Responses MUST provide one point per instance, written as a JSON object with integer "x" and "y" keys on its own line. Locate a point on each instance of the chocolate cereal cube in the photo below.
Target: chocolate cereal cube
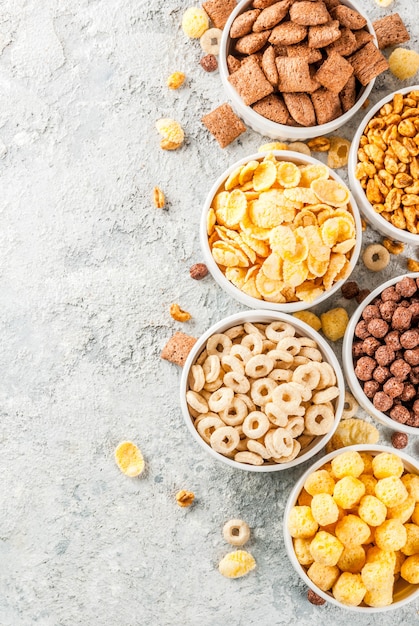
{"x": 271, "y": 16}
{"x": 273, "y": 108}
{"x": 250, "y": 82}
{"x": 326, "y": 105}
{"x": 224, "y": 124}
{"x": 177, "y": 348}
{"x": 300, "y": 108}
{"x": 348, "y": 94}
{"x": 324, "y": 35}
{"x": 287, "y": 34}
{"x": 219, "y": 11}
{"x": 334, "y": 73}
{"x": 346, "y": 44}
{"x": 390, "y": 30}
{"x": 303, "y": 51}
{"x": 243, "y": 24}
{"x": 362, "y": 37}
{"x": 252, "y": 43}
{"x": 309, "y": 13}
{"x": 348, "y": 17}
{"x": 294, "y": 75}
{"x": 368, "y": 63}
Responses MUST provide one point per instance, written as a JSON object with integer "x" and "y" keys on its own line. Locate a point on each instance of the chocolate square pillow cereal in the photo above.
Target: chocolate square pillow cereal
{"x": 326, "y": 105}
{"x": 368, "y": 63}
{"x": 224, "y": 124}
{"x": 390, "y": 31}
{"x": 219, "y": 11}
{"x": 273, "y": 108}
{"x": 177, "y": 348}
{"x": 294, "y": 75}
{"x": 321, "y": 36}
{"x": 250, "y": 82}
{"x": 334, "y": 73}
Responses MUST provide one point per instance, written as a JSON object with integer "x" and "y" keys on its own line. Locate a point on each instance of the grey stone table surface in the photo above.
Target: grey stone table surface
{"x": 88, "y": 269}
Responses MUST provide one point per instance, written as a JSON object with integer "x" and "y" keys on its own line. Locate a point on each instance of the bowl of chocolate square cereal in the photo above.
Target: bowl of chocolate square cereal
{"x": 296, "y": 70}
{"x": 262, "y": 391}
{"x": 381, "y": 354}
{"x": 383, "y": 166}
{"x": 351, "y": 529}
{"x": 280, "y": 231}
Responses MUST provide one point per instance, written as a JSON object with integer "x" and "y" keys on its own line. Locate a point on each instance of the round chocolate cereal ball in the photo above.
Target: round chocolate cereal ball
{"x": 384, "y": 355}
{"x": 390, "y": 293}
{"x": 387, "y": 309}
{"x": 314, "y": 598}
{"x": 393, "y": 387}
{"x": 410, "y": 339}
{"x": 371, "y": 387}
{"x": 381, "y": 373}
{"x": 412, "y": 356}
{"x": 414, "y": 309}
{"x": 365, "y": 367}
{"x": 382, "y": 401}
{"x": 414, "y": 375}
{"x": 399, "y": 440}
{"x": 370, "y": 345}
{"x": 400, "y": 413}
{"x": 377, "y": 328}
{"x": 400, "y": 369}
{"x": 406, "y": 287}
{"x": 370, "y": 312}
{"x": 393, "y": 340}
{"x": 357, "y": 349}
{"x": 402, "y": 318}
{"x": 361, "y": 330}
{"x": 413, "y": 419}
{"x": 408, "y": 393}
{"x": 350, "y": 290}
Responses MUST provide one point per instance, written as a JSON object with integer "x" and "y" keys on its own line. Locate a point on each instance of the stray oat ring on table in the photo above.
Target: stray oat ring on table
{"x": 282, "y": 232}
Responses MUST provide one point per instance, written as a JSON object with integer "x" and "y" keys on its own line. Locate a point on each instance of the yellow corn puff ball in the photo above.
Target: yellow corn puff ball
{"x": 352, "y": 530}
{"x": 195, "y": 22}
{"x": 325, "y": 548}
{"x": 349, "y": 589}
{"x": 391, "y": 491}
{"x": 236, "y": 564}
{"x": 410, "y": 569}
{"x": 379, "y": 597}
{"x": 324, "y": 509}
{"x": 352, "y": 559}
{"x": 387, "y": 464}
{"x": 324, "y": 576}
{"x": 372, "y": 510}
{"x": 304, "y": 499}
{"x": 377, "y": 575}
{"x": 367, "y": 458}
{"x": 348, "y": 464}
{"x": 176, "y": 80}
{"x": 334, "y": 323}
{"x": 129, "y": 459}
{"x": 391, "y": 535}
{"x": 301, "y": 522}
{"x": 376, "y": 555}
{"x": 412, "y": 542}
{"x": 400, "y": 558}
{"x": 403, "y": 512}
{"x": 415, "y": 514}
{"x": 319, "y": 482}
{"x": 302, "y": 551}
{"x": 309, "y": 318}
{"x": 369, "y": 482}
{"x": 348, "y": 492}
{"x": 403, "y": 63}
{"x": 411, "y": 482}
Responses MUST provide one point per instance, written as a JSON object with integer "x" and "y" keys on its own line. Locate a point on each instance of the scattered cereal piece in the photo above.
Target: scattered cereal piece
{"x": 319, "y": 144}
{"x": 172, "y": 133}
{"x": 210, "y": 41}
{"x": 198, "y": 271}
{"x": 219, "y": 11}
{"x": 177, "y": 348}
{"x": 363, "y": 293}
{"x": 350, "y": 407}
{"x": 412, "y": 265}
{"x": 350, "y": 290}
{"x": 314, "y": 598}
{"x": 158, "y": 198}
{"x": 178, "y": 314}
{"x": 399, "y": 440}
{"x": 376, "y": 257}
{"x": 236, "y": 564}
{"x": 334, "y": 323}
{"x": 309, "y": 318}
{"x": 383, "y": 4}
{"x": 129, "y": 459}
{"x": 209, "y": 63}
{"x": 403, "y": 63}
{"x": 338, "y": 152}
{"x": 351, "y": 432}
{"x": 224, "y": 124}
{"x": 368, "y": 62}
{"x": 236, "y": 532}
{"x": 185, "y": 498}
{"x": 195, "y": 22}
{"x": 363, "y": 225}
{"x": 176, "y": 80}
{"x": 394, "y": 247}
{"x": 299, "y": 146}
{"x": 390, "y": 30}
{"x": 276, "y": 145}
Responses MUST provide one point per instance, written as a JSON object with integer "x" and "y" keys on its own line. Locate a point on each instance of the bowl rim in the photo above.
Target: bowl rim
{"x": 348, "y": 367}
{"x": 275, "y": 127}
{"x": 235, "y": 292}
{"x": 263, "y": 316}
{"x": 292, "y": 499}
{"x": 397, "y": 234}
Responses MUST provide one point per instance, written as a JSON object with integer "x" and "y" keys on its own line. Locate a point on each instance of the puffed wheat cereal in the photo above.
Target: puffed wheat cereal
{"x": 129, "y": 459}
{"x": 236, "y": 564}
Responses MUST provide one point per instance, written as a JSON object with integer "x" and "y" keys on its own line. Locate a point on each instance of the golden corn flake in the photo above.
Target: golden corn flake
{"x": 271, "y": 209}
{"x": 272, "y": 266}
{"x": 294, "y": 273}
{"x": 309, "y": 318}
{"x": 403, "y": 63}
{"x": 247, "y": 171}
{"x": 234, "y": 179}
{"x": 129, "y": 459}
{"x": 249, "y": 287}
{"x": 220, "y": 200}
{"x": 282, "y": 240}
{"x": 236, "y": 275}
{"x": 301, "y": 194}
{"x": 264, "y": 176}
{"x": 251, "y": 229}
{"x": 228, "y": 255}
{"x": 260, "y": 247}
{"x": 330, "y": 192}
{"x": 288, "y": 174}
{"x": 269, "y": 289}
{"x": 313, "y": 172}
{"x": 171, "y": 131}
{"x": 308, "y": 291}
{"x": 336, "y": 263}
{"x": 334, "y": 323}
{"x": 275, "y": 145}
{"x": 236, "y": 564}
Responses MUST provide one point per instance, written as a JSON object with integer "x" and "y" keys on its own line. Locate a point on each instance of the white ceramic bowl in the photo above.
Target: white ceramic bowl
{"x": 267, "y": 127}
{"x": 217, "y": 274}
{"x": 348, "y": 366}
{"x": 375, "y": 220}
{"x": 403, "y": 591}
{"x": 302, "y": 329}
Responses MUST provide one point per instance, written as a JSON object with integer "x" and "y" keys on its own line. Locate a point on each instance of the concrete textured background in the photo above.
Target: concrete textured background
{"x": 88, "y": 269}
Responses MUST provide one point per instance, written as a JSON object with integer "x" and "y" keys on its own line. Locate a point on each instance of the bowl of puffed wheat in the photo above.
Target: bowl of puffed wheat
{"x": 351, "y": 529}
{"x": 383, "y": 166}
{"x": 262, "y": 391}
{"x": 297, "y": 70}
{"x": 280, "y": 231}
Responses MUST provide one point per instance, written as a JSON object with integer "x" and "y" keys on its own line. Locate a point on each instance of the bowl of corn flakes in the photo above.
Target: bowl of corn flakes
{"x": 262, "y": 391}
{"x": 275, "y": 71}
{"x": 383, "y": 166}
{"x": 380, "y": 354}
{"x": 351, "y": 528}
{"x": 280, "y": 231}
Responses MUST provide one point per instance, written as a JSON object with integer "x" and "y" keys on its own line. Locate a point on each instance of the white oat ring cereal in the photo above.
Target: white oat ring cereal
{"x": 236, "y": 532}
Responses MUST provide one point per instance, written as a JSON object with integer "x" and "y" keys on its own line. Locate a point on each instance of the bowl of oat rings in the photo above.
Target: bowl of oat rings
{"x": 297, "y": 70}
{"x": 383, "y": 166}
{"x": 262, "y": 391}
{"x": 381, "y": 354}
{"x": 280, "y": 231}
{"x": 351, "y": 528}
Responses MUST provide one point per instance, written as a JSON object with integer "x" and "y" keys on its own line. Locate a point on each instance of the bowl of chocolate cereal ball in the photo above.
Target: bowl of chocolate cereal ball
{"x": 297, "y": 70}
{"x": 262, "y": 391}
{"x": 351, "y": 528}
{"x": 280, "y": 231}
{"x": 383, "y": 166}
{"x": 381, "y": 354}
